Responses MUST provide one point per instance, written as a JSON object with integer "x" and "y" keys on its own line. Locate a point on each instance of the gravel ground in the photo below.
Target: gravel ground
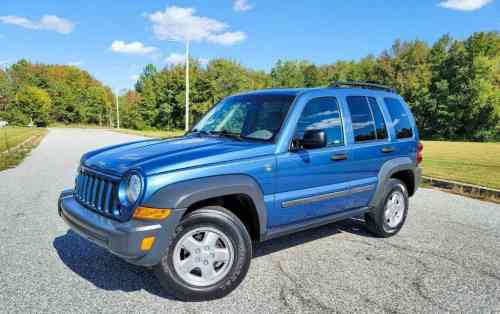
{"x": 446, "y": 258}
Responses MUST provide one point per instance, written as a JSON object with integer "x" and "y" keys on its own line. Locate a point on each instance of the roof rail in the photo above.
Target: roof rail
{"x": 362, "y": 84}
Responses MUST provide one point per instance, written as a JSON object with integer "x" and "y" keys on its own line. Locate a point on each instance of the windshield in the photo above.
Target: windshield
{"x": 257, "y": 117}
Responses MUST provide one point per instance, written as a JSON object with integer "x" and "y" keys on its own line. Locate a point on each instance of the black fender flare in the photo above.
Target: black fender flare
{"x": 386, "y": 171}
{"x": 185, "y": 193}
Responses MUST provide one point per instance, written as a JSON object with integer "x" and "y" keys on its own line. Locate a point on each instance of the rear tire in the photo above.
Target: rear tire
{"x": 209, "y": 256}
{"x": 389, "y": 217}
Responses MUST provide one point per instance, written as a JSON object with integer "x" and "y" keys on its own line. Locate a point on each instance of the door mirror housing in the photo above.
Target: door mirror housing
{"x": 313, "y": 139}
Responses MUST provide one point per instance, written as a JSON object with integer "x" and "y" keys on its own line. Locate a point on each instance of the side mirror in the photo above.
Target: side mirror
{"x": 313, "y": 139}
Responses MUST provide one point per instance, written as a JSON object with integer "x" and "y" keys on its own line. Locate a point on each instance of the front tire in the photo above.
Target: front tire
{"x": 389, "y": 217}
{"x": 209, "y": 256}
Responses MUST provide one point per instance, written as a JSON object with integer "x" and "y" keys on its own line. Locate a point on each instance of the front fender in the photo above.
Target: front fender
{"x": 184, "y": 194}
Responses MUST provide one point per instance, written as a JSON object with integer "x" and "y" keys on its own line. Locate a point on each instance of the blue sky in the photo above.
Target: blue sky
{"x": 113, "y": 40}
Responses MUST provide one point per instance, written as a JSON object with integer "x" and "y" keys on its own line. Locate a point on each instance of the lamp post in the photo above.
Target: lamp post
{"x": 186, "y": 123}
{"x": 187, "y": 87}
{"x": 117, "y": 110}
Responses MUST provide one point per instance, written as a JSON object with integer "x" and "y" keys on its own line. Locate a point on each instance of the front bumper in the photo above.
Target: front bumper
{"x": 120, "y": 238}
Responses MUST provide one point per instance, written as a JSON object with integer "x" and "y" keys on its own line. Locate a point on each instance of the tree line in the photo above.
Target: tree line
{"x": 453, "y": 87}
{"x": 40, "y": 94}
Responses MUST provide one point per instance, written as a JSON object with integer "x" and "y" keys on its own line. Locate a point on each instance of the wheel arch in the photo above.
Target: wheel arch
{"x": 192, "y": 194}
{"x": 395, "y": 168}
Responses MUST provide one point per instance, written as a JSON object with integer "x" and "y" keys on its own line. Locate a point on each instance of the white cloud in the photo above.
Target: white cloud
{"x": 176, "y": 23}
{"x": 176, "y": 59}
{"x": 133, "y": 48}
{"x": 227, "y": 39}
{"x": 76, "y": 63}
{"x": 47, "y": 22}
{"x": 464, "y": 5}
{"x": 242, "y": 5}
{"x": 134, "y": 77}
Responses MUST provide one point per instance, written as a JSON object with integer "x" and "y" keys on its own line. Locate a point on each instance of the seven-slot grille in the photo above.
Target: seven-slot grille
{"x": 97, "y": 192}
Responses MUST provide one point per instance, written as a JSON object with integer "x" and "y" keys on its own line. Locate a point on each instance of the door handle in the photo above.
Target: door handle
{"x": 387, "y": 150}
{"x": 339, "y": 157}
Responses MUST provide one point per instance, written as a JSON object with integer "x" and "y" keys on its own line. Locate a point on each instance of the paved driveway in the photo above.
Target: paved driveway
{"x": 446, "y": 259}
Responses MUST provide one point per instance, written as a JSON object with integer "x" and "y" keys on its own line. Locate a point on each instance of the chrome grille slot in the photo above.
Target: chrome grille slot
{"x": 96, "y": 192}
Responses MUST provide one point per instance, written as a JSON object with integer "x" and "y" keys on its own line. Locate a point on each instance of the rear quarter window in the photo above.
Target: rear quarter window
{"x": 399, "y": 117}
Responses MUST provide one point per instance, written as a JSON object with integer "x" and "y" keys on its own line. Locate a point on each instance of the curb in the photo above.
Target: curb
{"x": 475, "y": 191}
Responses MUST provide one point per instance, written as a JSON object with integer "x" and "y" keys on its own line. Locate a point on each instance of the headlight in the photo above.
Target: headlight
{"x": 134, "y": 188}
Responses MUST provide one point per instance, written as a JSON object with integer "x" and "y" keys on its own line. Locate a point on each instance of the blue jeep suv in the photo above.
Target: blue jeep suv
{"x": 258, "y": 165}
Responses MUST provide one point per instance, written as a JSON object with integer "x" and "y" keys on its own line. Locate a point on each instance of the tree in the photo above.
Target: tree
{"x": 289, "y": 73}
{"x": 129, "y": 111}
{"x": 148, "y": 73}
{"x": 34, "y": 103}
{"x": 6, "y": 91}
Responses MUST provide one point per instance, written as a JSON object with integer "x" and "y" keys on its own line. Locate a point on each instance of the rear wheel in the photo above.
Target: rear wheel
{"x": 390, "y": 216}
{"x": 209, "y": 256}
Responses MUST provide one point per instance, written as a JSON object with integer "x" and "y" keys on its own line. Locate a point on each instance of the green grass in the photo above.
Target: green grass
{"x": 152, "y": 133}
{"x": 11, "y": 137}
{"x": 473, "y": 163}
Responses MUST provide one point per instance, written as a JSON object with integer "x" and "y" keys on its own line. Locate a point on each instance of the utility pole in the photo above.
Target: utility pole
{"x": 187, "y": 85}
{"x": 117, "y": 111}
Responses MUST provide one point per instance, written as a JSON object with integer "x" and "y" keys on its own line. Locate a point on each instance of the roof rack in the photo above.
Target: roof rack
{"x": 362, "y": 84}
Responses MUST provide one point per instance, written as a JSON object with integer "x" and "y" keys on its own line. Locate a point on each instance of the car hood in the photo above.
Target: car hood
{"x": 157, "y": 156}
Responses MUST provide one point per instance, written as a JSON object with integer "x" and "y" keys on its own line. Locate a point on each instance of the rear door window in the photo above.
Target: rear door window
{"x": 362, "y": 120}
{"x": 399, "y": 117}
{"x": 380, "y": 127}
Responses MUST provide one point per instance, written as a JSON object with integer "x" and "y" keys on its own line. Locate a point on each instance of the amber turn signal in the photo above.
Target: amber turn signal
{"x": 148, "y": 213}
{"x": 147, "y": 243}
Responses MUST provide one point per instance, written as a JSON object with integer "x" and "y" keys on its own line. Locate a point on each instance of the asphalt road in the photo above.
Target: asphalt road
{"x": 446, "y": 259}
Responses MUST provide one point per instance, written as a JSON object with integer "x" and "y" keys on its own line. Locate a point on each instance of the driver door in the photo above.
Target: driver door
{"x": 314, "y": 183}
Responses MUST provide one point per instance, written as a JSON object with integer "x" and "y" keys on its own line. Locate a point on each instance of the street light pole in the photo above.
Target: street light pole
{"x": 187, "y": 86}
{"x": 117, "y": 111}
{"x": 186, "y": 123}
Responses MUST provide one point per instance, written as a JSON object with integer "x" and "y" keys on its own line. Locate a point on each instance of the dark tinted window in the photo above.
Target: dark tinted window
{"x": 322, "y": 114}
{"x": 400, "y": 119}
{"x": 362, "y": 120}
{"x": 379, "y": 119}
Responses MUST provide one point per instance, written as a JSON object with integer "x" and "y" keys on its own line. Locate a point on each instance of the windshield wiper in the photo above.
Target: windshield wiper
{"x": 228, "y": 134}
{"x": 202, "y": 132}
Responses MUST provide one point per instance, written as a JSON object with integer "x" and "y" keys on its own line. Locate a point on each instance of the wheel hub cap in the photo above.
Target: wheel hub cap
{"x": 394, "y": 209}
{"x": 203, "y": 256}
